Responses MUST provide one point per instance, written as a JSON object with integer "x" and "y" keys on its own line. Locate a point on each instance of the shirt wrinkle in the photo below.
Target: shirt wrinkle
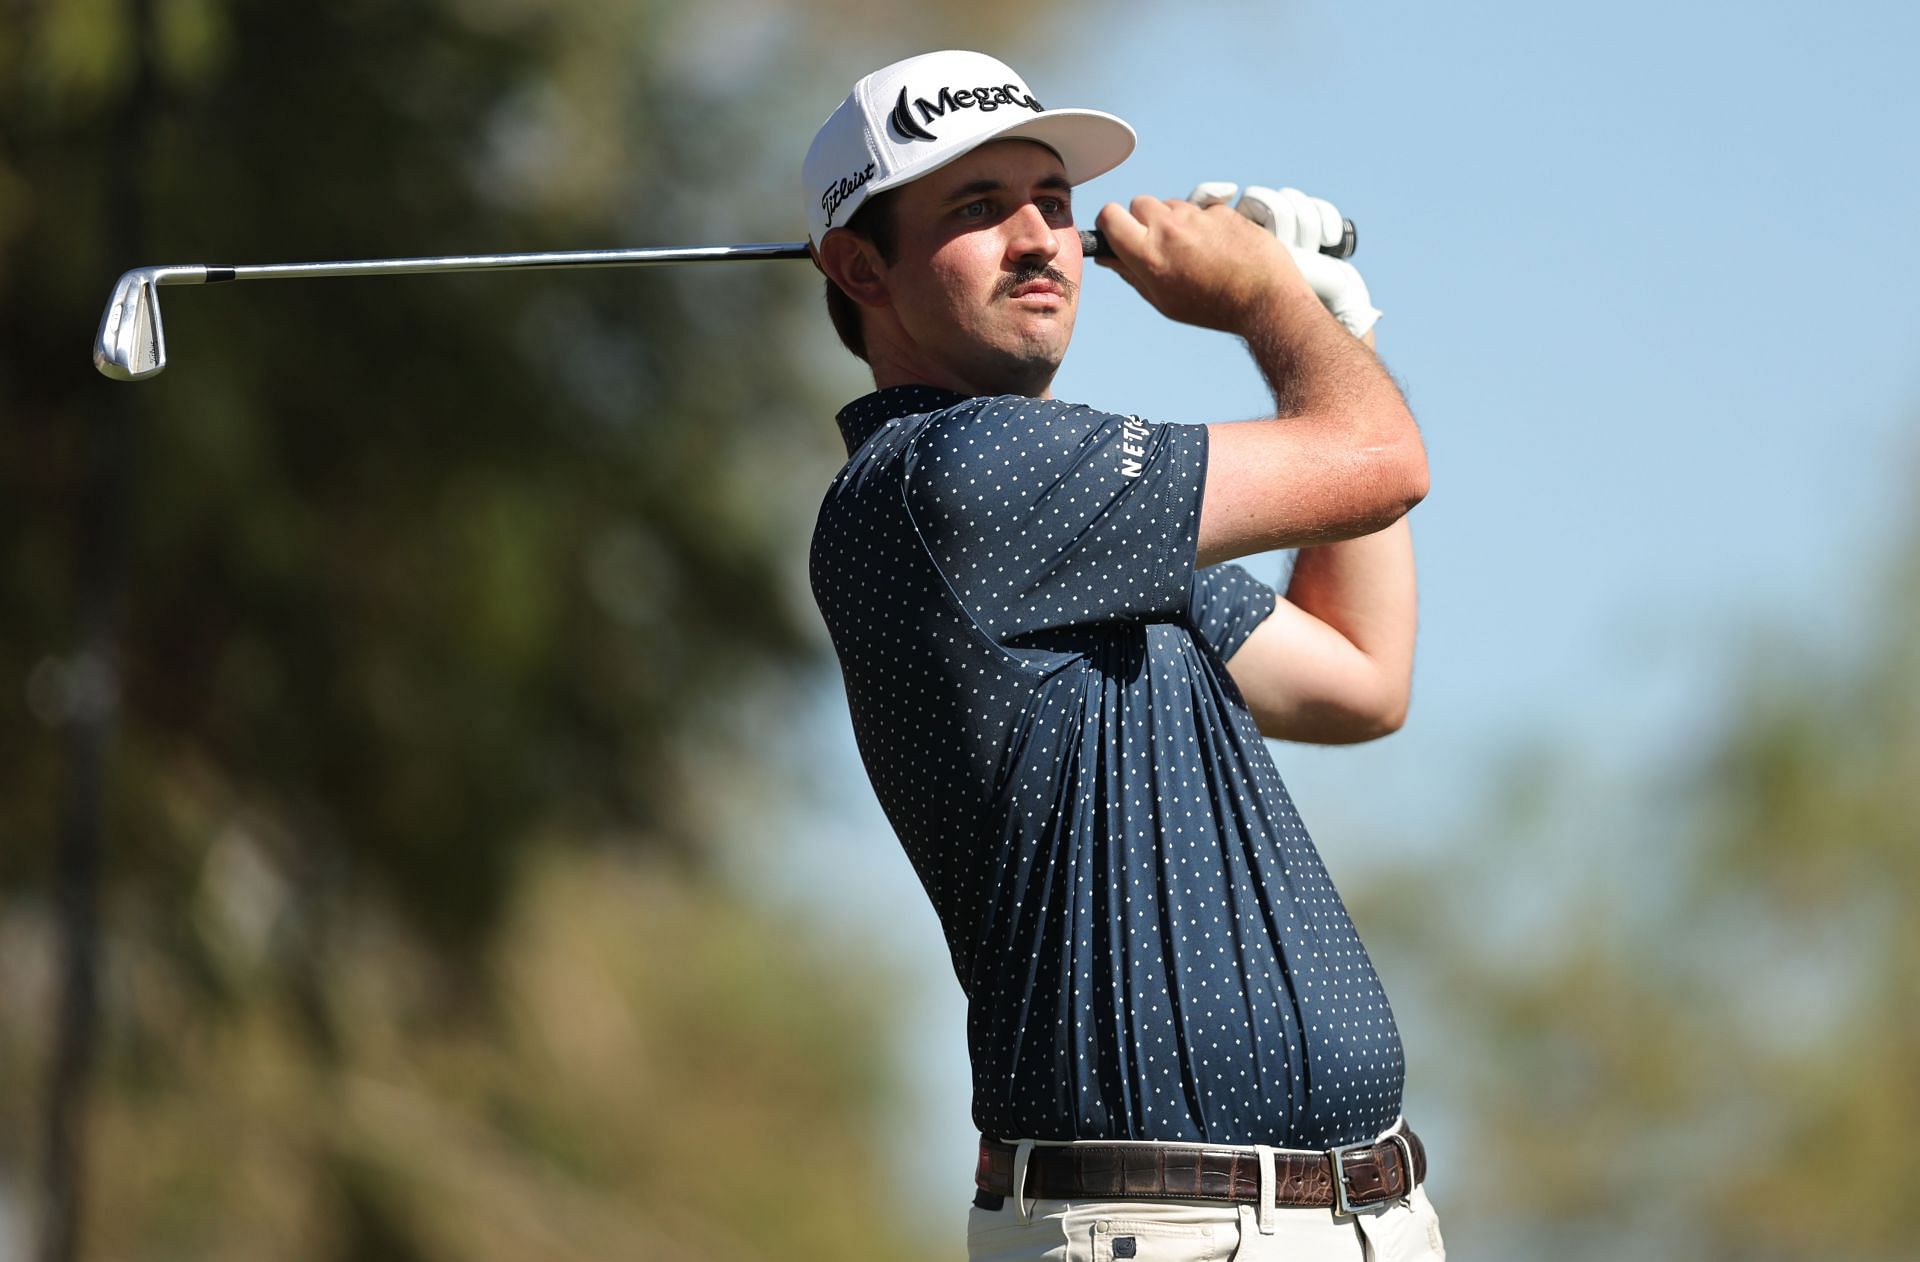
{"x": 1148, "y": 941}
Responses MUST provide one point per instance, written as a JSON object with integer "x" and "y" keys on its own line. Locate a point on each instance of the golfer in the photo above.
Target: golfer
{"x": 1180, "y": 1048}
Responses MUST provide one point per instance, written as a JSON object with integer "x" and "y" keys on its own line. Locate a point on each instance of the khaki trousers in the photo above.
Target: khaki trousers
{"x": 1165, "y": 1231}
{"x": 1183, "y": 1231}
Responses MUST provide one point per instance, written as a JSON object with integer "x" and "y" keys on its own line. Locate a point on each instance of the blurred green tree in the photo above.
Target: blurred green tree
{"x": 388, "y": 588}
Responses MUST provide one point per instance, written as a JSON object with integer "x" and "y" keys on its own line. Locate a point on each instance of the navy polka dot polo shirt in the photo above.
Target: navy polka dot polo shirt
{"x": 1149, "y": 945}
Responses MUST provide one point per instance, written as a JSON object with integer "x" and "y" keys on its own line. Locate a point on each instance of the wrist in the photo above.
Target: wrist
{"x": 1278, "y": 306}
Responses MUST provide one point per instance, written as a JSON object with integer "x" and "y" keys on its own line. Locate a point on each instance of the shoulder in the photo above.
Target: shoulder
{"x": 1008, "y": 439}
{"x": 1007, "y": 416}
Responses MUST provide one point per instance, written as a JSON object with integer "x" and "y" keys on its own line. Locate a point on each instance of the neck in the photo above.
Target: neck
{"x": 950, "y": 381}
{"x": 893, "y": 369}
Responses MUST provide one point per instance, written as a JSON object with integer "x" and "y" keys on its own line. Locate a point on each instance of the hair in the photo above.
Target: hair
{"x": 874, "y": 221}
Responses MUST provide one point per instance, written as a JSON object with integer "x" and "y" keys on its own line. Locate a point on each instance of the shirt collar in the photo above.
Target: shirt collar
{"x": 859, "y": 419}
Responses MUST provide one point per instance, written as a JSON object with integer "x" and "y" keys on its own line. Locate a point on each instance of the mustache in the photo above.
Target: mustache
{"x": 1032, "y": 272}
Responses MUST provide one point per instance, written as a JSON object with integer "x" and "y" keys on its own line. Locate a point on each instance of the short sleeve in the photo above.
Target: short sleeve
{"x": 1041, "y": 514}
{"x": 1227, "y": 604}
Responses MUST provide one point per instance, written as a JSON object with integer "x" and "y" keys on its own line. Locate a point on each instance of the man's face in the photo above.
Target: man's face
{"x": 986, "y": 280}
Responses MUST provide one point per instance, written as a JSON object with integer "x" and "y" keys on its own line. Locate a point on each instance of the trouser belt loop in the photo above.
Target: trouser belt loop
{"x": 1020, "y": 1157}
{"x": 1265, "y": 1153}
{"x": 1266, "y": 1188}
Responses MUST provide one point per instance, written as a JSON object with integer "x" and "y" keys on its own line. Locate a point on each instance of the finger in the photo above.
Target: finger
{"x": 1148, "y": 210}
{"x": 1317, "y": 221}
{"x": 1212, "y": 193}
{"x": 1126, "y": 234}
{"x": 1271, "y": 211}
{"x": 1306, "y": 218}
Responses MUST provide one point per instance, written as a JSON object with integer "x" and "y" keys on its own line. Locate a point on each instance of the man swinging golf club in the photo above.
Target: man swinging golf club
{"x": 1180, "y": 1048}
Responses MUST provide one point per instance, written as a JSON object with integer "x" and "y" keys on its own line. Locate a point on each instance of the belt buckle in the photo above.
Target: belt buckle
{"x": 1344, "y": 1203}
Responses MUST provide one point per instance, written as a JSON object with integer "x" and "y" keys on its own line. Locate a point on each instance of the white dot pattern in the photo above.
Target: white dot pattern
{"x": 1149, "y": 943}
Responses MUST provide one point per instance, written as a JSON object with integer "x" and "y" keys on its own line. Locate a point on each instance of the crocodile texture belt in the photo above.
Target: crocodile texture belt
{"x": 1348, "y": 1178}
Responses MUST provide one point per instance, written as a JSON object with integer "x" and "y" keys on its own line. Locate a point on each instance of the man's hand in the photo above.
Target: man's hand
{"x": 1303, "y": 224}
{"x": 1204, "y": 266}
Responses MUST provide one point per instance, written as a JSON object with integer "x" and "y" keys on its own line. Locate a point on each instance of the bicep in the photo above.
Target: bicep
{"x": 1304, "y": 681}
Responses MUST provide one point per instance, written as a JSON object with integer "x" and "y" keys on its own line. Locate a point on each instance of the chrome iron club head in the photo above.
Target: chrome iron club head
{"x": 132, "y": 343}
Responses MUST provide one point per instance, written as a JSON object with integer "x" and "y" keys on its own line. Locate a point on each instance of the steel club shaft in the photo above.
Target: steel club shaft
{"x": 132, "y": 344}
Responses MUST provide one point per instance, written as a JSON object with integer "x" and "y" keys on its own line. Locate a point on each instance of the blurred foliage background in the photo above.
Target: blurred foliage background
{"x": 413, "y": 630}
{"x": 400, "y": 639}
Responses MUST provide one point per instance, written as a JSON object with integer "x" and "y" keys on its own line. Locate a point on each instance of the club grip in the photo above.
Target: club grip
{"x": 1094, "y": 244}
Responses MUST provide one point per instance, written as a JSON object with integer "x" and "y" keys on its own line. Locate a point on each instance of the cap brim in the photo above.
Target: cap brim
{"x": 1090, "y": 143}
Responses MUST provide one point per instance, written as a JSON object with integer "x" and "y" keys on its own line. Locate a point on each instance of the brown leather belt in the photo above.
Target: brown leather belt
{"x": 1346, "y": 1179}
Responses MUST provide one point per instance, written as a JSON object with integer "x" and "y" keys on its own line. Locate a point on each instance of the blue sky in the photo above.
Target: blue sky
{"x": 1650, "y": 280}
{"x": 1650, "y": 277}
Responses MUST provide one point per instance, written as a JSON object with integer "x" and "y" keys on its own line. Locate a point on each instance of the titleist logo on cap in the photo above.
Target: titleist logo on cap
{"x": 843, "y": 188}
{"x": 986, "y": 100}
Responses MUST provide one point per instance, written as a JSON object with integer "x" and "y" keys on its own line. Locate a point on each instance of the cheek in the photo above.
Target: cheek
{"x": 933, "y": 300}
{"x": 959, "y": 292}
{"x": 968, "y": 265}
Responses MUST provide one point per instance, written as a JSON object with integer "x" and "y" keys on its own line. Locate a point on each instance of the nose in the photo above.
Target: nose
{"x": 1030, "y": 236}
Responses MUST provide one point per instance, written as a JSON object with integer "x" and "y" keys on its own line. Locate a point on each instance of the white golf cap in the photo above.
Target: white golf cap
{"x": 917, "y": 115}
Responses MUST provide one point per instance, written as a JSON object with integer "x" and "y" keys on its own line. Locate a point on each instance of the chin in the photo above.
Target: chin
{"x": 1027, "y": 370}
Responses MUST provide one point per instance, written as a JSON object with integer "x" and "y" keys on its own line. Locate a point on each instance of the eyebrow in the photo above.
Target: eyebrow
{"x": 973, "y": 188}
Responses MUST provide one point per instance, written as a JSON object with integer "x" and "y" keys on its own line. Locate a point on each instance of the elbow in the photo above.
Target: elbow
{"x": 1338, "y": 724}
{"x": 1394, "y": 460}
{"x": 1397, "y": 480}
{"x": 1386, "y": 722}
{"x": 1358, "y": 729}
{"x": 1407, "y": 460}
{"x": 1387, "y": 712}
{"x": 1415, "y": 481}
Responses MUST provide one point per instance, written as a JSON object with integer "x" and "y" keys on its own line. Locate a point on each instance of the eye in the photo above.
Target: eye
{"x": 974, "y": 210}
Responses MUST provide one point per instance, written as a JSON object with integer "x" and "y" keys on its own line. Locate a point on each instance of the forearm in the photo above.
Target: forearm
{"x": 1365, "y": 590}
{"x": 1314, "y": 367}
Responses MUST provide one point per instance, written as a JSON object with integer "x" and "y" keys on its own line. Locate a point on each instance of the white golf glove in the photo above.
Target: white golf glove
{"x": 1303, "y": 224}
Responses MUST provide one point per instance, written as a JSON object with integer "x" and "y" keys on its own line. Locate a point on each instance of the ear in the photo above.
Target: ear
{"x": 852, "y": 262}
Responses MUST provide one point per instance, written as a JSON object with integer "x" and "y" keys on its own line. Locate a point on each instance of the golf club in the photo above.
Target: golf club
{"x": 132, "y": 344}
